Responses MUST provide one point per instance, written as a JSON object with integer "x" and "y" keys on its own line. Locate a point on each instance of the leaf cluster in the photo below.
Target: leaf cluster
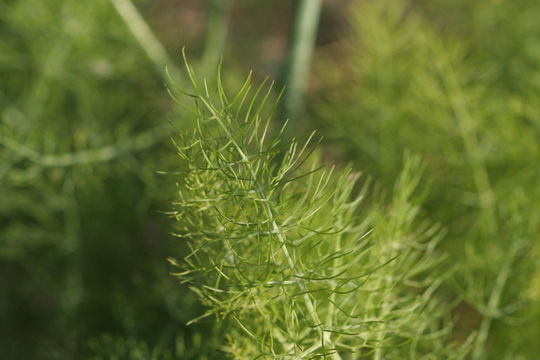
{"x": 286, "y": 251}
{"x": 452, "y": 82}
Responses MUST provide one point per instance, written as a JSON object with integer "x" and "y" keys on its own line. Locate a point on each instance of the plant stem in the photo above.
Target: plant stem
{"x": 105, "y": 153}
{"x": 331, "y": 307}
{"x": 466, "y": 126}
{"x": 493, "y": 304}
{"x": 301, "y": 50}
{"x": 216, "y": 34}
{"x": 486, "y": 196}
{"x": 145, "y": 37}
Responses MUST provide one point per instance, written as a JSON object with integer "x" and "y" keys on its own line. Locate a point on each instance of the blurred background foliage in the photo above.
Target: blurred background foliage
{"x": 86, "y": 122}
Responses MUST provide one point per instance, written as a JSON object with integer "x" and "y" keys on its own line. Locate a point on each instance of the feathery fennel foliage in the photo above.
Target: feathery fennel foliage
{"x": 464, "y": 99}
{"x": 287, "y": 252}
{"x": 82, "y": 133}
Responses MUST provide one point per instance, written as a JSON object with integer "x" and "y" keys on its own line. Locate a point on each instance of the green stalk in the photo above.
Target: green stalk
{"x": 216, "y": 34}
{"x": 105, "y": 153}
{"x": 479, "y": 351}
{"x": 146, "y": 38}
{"x": 301, "y": 50}
{"x": 466, "y": 126}
{"x": 487, "y": 200}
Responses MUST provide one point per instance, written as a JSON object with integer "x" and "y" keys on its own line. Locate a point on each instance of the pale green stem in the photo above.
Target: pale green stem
{"x": 479, "y": 352}
{"x": 466, "y": 127}
{"x": 379, "y": 353}
{"x": 301, "y": 52}
{"x": 146, "y": 38}
{"x": 486, "y": 198}
{"x": 331, "y": 307}
{"x": 216, "y": 34}
{"x": 102, "y": 154}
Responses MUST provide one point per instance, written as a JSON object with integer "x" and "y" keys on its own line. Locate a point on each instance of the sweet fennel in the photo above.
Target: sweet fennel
{"x": 286, "y": 251}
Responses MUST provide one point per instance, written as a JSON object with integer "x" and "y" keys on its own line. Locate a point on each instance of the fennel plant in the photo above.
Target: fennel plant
{"x": 454, "y": 95}
{"x": 298, "y": 259}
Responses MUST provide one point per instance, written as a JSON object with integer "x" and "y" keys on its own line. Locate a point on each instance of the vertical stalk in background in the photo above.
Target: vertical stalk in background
{"x": 486, "y": 198}
{"x": 216, "y": 34}
{"x": 146, "y": 38}
{"x": 304, "y": 34}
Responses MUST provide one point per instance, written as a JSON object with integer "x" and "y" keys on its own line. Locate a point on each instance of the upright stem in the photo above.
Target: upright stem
{"x": 216, "y": 34}
{"x": 145, "y": 37}
{"x": 468, "y": 134}
{"x": 301, "y": 50}
{"x": 487, "y": 200}
{"x": 479, "y": 351}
